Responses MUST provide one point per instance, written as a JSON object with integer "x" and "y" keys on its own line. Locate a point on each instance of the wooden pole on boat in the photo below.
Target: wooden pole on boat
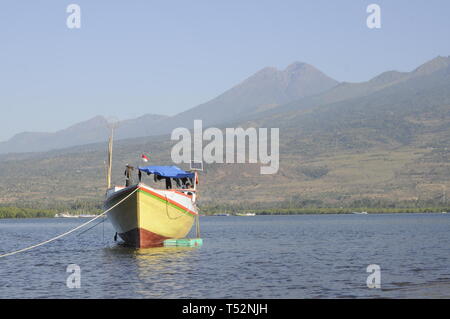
{"x": 196, "y": 167}
{"x": 197, "y": 218}
{"x": 197, "y": 226}
{"x": 110, "y": 150}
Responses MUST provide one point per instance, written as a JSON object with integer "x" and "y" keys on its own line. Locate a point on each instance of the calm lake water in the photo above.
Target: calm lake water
{"x": 306, "y": 256}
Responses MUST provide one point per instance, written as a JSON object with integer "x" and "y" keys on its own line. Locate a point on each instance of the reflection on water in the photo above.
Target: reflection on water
{"x": 157, "y": 259}
{"x": 158, "y": 268}
{"x": 162, "y": 271}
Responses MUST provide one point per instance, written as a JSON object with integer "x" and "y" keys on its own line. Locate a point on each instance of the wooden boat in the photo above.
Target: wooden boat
{"x": 245, "y": 214}
{"x": 145, "y": 216}
{"x": 65, "y": 215}
{"x": 149, "y": 216}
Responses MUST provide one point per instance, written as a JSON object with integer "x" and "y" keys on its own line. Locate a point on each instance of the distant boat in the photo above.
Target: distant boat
{"x": 65, "y": 215}
{"x": 444, "y": 212}
{"x": 360, "y": 213}
{"x": 245, "y": 214}
{"x": 68, "y": 215}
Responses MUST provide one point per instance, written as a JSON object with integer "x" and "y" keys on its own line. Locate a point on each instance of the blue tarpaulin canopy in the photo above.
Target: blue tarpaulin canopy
{"x": 166, "y": 171}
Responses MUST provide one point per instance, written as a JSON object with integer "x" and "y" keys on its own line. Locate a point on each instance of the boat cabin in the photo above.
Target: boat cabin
{"x": 172, "y": 177}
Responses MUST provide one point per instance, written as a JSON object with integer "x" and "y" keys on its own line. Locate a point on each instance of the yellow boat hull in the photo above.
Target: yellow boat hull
{"x": 150, "y": 216}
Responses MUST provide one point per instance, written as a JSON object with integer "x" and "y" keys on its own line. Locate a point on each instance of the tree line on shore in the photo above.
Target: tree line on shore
{"x": 46, "y": 210}
{"x": 19, "y": 212}
{"x": 326, "y": 210}
{"x": 26, "y": 212}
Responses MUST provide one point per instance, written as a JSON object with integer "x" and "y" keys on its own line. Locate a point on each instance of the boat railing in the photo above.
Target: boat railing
{"x": 182, "y": 190}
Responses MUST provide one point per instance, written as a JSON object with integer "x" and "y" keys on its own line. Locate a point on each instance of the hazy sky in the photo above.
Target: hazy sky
{"x": 135, "y": 57}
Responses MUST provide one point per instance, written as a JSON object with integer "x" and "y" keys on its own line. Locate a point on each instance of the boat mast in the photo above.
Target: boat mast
{"x": 110, "y": 150}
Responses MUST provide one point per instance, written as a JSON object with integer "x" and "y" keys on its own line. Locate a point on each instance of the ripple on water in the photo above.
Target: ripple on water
{"x": 259, "y": 257}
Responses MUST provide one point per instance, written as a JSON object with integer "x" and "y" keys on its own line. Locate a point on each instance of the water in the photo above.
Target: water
{"x": 306, "y": 256}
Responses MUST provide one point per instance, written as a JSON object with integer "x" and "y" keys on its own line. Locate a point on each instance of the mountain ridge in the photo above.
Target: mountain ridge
{"x": 266, "y": 88}
{"x": 300, "y": 86}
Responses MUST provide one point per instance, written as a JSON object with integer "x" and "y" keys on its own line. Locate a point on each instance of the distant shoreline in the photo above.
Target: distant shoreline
{"x": 7, "y": 212}
{"x": 339, "y": 213}
{"x": 326, "y": 210}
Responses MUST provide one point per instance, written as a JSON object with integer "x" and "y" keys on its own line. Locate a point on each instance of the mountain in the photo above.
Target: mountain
{"x": 383, "y": 142}
{"x": 394, "y": 110}
{"x": 264, "y": 90}
{"x": 141, "y": 126}
{"x": 267, "y": 88}
{"x": 345, "y": 91}
{"x": 392, "y": 98}
{"x": 92, "y": 131}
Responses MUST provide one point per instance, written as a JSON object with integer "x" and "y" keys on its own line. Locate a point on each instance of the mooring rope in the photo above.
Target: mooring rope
{"x": 167, "y": 210}
{"x": 70, "y": 231}
{"x": 86, "y": 230}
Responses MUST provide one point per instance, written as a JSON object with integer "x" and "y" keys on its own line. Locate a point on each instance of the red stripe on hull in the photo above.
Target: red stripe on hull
{"x": 142, "y": 238}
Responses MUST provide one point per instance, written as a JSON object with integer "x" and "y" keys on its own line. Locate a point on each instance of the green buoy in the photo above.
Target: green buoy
{"x": 183, "y": 242}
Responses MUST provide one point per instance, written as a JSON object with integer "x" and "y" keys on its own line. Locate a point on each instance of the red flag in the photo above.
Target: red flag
{"x": 144, "y": 158}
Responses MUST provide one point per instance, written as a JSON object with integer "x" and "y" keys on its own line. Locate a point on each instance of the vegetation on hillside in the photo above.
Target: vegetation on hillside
{"x": 16, "y": 212}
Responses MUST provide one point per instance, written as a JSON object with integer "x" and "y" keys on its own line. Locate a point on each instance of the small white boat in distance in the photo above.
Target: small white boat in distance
{"x": 65, "y": 215}
{"x": 360, "y": 213}
{"x": 245, "y": 214}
